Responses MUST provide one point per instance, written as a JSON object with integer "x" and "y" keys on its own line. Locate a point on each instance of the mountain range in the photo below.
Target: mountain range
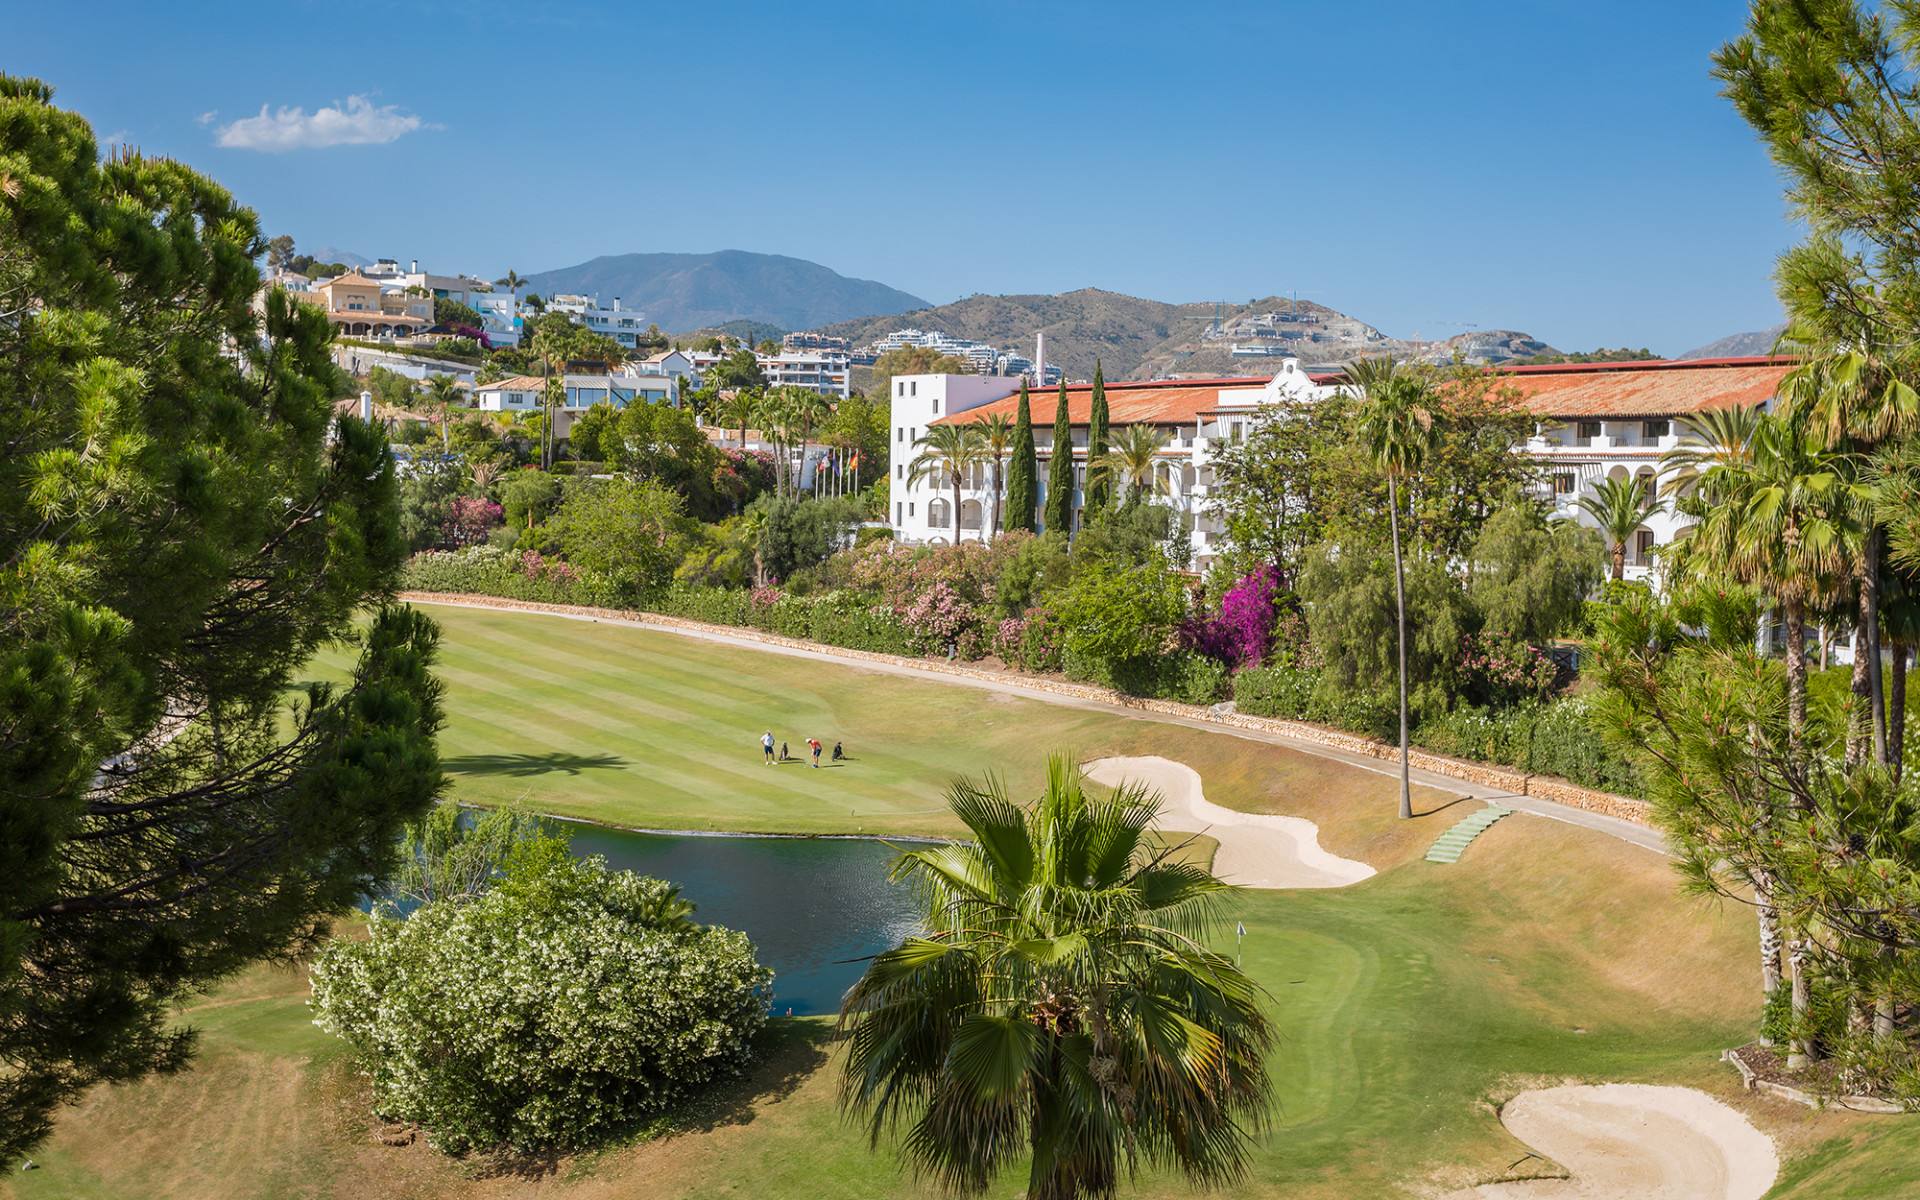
{"x": 1134, "y": 338}
{"x": 683, "y": 292}
{"x": 1739, "y": 344}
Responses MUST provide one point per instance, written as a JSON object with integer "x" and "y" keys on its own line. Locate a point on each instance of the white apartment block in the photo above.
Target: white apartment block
{"x": 1594, "y": 421}
{"x": 829, "y": 372}
{"x": 624, "y": 325}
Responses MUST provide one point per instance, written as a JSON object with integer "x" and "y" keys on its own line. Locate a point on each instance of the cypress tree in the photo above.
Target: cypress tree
{"x": 1060, "y": 471}
{"x": 1023, "y": 471}
{"x": 1098, "y": 486}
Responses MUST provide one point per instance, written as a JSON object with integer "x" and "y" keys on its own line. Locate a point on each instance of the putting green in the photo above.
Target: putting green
{"x": 1409, "y": 1004}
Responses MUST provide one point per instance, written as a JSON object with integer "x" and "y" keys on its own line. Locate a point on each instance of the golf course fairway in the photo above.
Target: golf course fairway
{"x": 1409, "y": 1004}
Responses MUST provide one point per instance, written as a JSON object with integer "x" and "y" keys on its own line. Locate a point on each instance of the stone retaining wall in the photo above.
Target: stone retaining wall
{"x": 1504, "y": 778}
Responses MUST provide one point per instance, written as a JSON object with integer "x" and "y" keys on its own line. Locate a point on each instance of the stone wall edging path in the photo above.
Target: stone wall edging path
{"x": 1620, "y": 816}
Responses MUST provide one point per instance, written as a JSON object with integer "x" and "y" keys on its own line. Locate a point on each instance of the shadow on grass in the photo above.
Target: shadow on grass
{"x": 788, "y": 1050}
{"x": 532, "y": 764}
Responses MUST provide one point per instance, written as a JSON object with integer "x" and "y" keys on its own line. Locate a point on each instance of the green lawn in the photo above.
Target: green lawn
{"x": 1409, "y": 1005}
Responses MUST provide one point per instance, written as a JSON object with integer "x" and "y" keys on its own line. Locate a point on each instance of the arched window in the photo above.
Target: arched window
{"x": 970, "y": 514}
{"x": 939, "y": 514}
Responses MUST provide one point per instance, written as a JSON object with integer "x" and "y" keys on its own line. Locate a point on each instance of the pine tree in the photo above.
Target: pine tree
{"x": 1060, "y": 473}
{"x": 186, "y": 523}
{"x": 1097, "y": 484}
{"x": 1023, "y": 473}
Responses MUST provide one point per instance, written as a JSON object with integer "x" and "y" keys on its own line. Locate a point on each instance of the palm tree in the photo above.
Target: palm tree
{"x": 1618, "y": 507}
{"x": 1852, "y": 390}
{"x": 1397, "y": 429}
{"x": 1063, "y": 1004}
{"x": 996, "y": 438}
{"x": 443, "y": 390}
{"x": 512, "y": 281}
{"x": 947, "y": 453}
{"x": 1779, "y": 516}
{"x": 1131, "y": 458}
{"x": 738, "y": 409}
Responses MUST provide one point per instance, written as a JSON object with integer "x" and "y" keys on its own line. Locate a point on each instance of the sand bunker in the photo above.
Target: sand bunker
{"x": 1256, "y": 850}
{"x": 1630, "y": 1141}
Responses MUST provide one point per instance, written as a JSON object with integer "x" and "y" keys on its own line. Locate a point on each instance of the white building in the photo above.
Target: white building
{"x": 1595, "y": 421}
{"x": 828, "y": 372}
{"x": 624, "y": 325}
{"x": 521, "y": 393}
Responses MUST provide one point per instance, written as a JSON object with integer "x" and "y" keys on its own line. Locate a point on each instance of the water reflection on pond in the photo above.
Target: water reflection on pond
{"x": 807, "y": 903}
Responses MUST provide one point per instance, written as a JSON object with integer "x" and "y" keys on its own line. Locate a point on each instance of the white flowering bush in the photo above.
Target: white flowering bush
{"x": 564, "y": 1001}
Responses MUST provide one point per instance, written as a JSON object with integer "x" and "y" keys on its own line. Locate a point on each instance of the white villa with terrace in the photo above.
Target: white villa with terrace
{"x": 1594, "y": 421}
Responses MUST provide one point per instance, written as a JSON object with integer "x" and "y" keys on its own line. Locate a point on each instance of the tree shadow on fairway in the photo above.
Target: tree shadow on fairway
{"x": 532, "y": 764}
{"x": 787, "y": 1051}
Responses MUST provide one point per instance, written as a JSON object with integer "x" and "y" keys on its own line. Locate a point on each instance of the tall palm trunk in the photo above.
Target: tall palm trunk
{"x": 955, "y": 472}
{"x": 1860, "y": 721}
{"x": 997, "y": 481}
{"x": 1400, "y": 601}
{"x": 1619, "y": 559}
{"x": 1800, "y": 1051}
{"x": 1870, "y": 618}
{"x": 1897, "y": 714}
{"x": 1796, "y": 613}
{"x": 1769, "y": 940}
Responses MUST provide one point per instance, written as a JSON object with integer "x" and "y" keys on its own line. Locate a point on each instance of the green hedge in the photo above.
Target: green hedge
{"x": 1549, "y": 739}
{"x": 510, "y": 574}
{"x": 1184, "y": 676}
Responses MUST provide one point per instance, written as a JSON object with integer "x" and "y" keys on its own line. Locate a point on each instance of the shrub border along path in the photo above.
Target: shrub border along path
{"x": 1618, "y": 816}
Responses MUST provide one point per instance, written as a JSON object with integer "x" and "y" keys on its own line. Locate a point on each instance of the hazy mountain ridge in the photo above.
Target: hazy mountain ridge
{"x": 1739, "y": 345}
{"x": 1135, "y": 338}
{"x": 682, "y": 292}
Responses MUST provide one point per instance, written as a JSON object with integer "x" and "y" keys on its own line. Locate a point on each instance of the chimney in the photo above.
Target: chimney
{"x": 366, "y": 406}
{"x": 616, "y": 304}
{"x": 416, "y": 266}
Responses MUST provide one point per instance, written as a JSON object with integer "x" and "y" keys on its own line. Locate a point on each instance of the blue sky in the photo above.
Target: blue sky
{"x": 1560, "y": 167}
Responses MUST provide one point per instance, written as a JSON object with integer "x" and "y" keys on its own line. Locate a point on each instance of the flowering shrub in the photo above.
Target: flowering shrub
{"x": 468, "y": 520}
{"x": 565, "y": 1001}
{"x": 899, "y": 574}
{"x": 1493, "y": 670}
{"x": 515, "y": 575}
{"x": 938, "y": 619}
{"x": 1241, "y": 632}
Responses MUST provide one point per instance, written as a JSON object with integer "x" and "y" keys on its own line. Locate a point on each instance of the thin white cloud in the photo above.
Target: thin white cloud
{"x": 206, "y": 118}
{"x": 359, "y": 122}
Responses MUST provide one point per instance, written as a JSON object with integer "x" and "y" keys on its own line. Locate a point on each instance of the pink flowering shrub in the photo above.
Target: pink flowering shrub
{"x": 1496, "y": 671}
{"x": 938, "y": 619}
{"x": 467, "y": 522}
{"x": 539, "y": 567}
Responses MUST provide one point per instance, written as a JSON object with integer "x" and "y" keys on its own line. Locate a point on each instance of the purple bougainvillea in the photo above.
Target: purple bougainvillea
{"x": 1241, "y": 633}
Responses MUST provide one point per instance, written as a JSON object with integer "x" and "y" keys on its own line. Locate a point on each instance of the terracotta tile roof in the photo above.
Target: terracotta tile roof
{"x": 1572, "y": 390}
{"x": 1647, "y": 389}
{"x": 1175, "y": 403}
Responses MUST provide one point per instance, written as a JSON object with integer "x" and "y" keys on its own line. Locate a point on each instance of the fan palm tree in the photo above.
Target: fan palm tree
{"x": 1397, "y": 429}
{"x": 1618, "y": 507}
{"x": 511, "y": 282}
{"x": 947, "y": 453}
{"x": 1851, "y": 389}
{"x": 1132, "y": 456}
{"x": 1063, "y": 1004}
{"x": 737, "y": 409}
{"x": 443, "y": 390}
{"x": 996, "y": 438}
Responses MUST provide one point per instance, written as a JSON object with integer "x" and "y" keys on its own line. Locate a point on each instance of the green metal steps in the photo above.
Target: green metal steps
{"x": 1454, "y": 842}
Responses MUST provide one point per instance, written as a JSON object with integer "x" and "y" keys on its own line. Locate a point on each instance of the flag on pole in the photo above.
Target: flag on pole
{"x": 1242, "y": 932}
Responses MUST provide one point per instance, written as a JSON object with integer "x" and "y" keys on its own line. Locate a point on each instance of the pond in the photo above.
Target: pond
{"x": 809, "y": 904}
